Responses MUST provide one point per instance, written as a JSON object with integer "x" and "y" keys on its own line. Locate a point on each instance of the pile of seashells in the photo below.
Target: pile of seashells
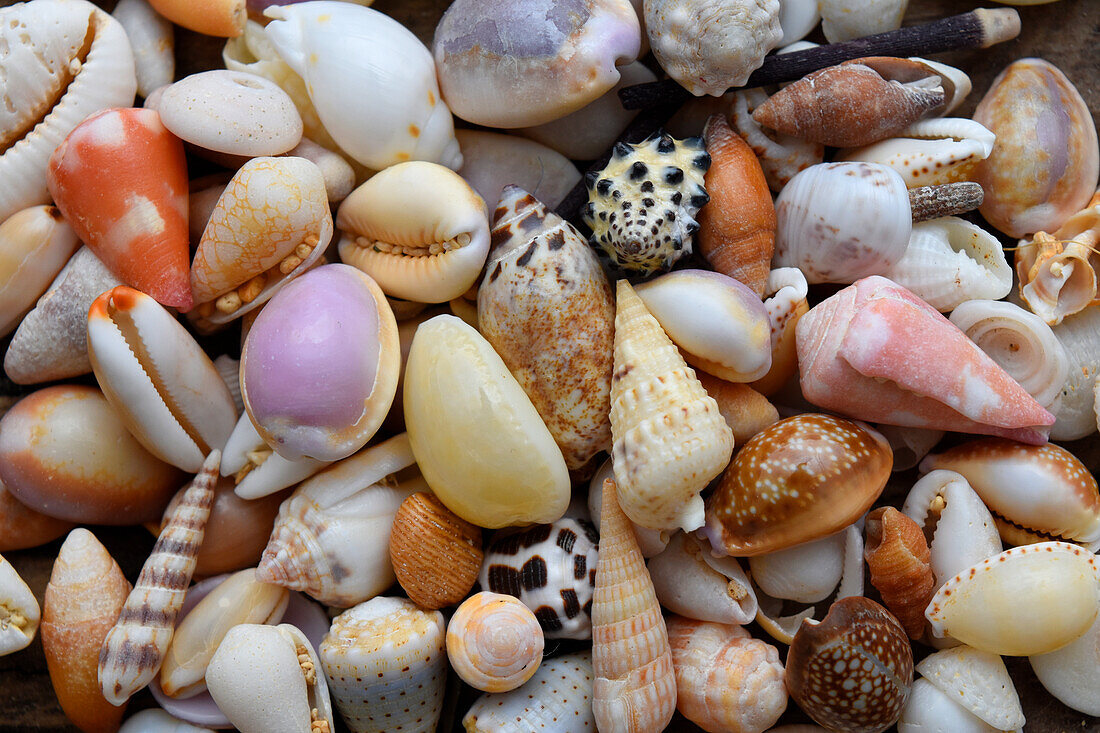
{"x": 598, "y": 477}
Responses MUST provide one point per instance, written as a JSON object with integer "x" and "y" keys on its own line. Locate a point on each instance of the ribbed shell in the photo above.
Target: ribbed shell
{"x": 494, "y": 642}
{"x": 558, "y": 697}
{"x": 436, "y": 554}
{"x": 900, "y": 563}
{"x": 726, "y": 681}
{"x": 134, "y": 649}
{"x": 635, "y": 687}
{"x": 669, "y": 437}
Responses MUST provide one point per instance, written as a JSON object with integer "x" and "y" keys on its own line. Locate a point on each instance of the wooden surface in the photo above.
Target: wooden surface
{"x": 1064, "y": 33}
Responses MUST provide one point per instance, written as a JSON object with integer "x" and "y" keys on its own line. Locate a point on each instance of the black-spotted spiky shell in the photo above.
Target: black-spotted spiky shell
{"x": 642, "y": 205}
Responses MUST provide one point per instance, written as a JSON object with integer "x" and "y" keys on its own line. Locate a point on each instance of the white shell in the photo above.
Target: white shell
{"x": 781, "y": 156}
{"x": 35, "y": 244}
{"x": 19, "y": 612}
{"x": 650, "y": 541}
{"x": 929, "y": 710}
{"x": 691, "y": 582}
{"x": 256, "y": 468}
{"x": 1072, "y": 673}
{"x": 1079, "y": 335}
{"x": 155, "y": 720}
{"x": 930, "y": 152}
{"x": 978, "y": 681}
{"x": 561, "y": 690}
{"x": 909, "y": 445}
{"x": 152, "y": 41}
{"x": 797, "y": 18}
{"x": 806, "y": 573}
{"x": 351, "y": 59}
{"x": 843, "y": 20}
{"x": 491, "y": 161}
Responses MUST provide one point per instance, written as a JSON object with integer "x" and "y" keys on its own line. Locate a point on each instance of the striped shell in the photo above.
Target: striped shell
{"x": 559, "y": 694}
{"x": 900, "y": 563}
{"x": 494, "y": 642}
{"x": 436, "y": 554}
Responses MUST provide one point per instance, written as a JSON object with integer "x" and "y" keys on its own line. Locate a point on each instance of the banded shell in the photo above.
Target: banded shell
{"x": 560, "y": 690}
{"x": 900, "y": 564}
{"x": 152, "y": 41}
{"x": 930, "y": 152}
{"x": 19, "y": 611}
{"x": 670, "y": 439}
{"x": 494, "y": 642}
{"x": 980, "y": 606}
{"x": 690, "y": 581}
{"x": 436, "y": 555}
{"x": 780, "y": 156}
{"x": 978, "y": 681}
{"x": 35, "y": 244}
{"x": 642, "y": 205}
{"x": 386, "y": 665}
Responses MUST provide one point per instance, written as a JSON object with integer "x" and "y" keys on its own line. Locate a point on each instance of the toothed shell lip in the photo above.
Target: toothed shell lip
{"x": 930, "y": 152}
{"x": 19, "y": 612}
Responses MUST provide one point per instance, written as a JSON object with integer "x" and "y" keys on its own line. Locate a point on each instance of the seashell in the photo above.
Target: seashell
{"x": 223, "y": 18}
{"x": 1069, "y": 673}
{"x": 229, "y": 369}
{"x": 271, "y": 224}
{"x": 332, "y": 536}
{"x": 978, "y": 681}
{"x": 929, "y": 709}
{"x": 35, "y": 244}
{"x": 843, "y": 20}
{"x": 521, "y": 63}
{"x": 52, "y": 340}
{"x": 737, "y": 231}
{"x": 257, "y": 470}
{"x": 494, "y": 642}
{"x": 930, "y": 152}
{"x": 560, "y": 690}
{"x": 66, "y": 452}
{"x": 1021, "y": 344}
{"x": 635, "y": 686}
{"x": 22, "y": 527}
{"x": 547, "y": 309}
{"x": 785, "y": 302}
{"x": 66, "y": 60}
{"x": 1060, "y": 581}
{"x": 155, "y": 720}
{"x": 491, "y": 162}
{"x": 19, "y": 612}
{"x": 853, "y": 670}
{"x": 267, "y": 678}
{"x": 725, "y": 679}
{"x": 669, "y": 438}
{"x": 152, "y": 41}
{"x": 1035, "y": 183}
{"x": 239, "y": 599}
{"x": 956, "y": 84}
{"x": 435, "y": 554}
{"x": 900, "y": 564}
{"x": 156, "y": 375}
{"x": 1035, "y": 493}
{"x": 1078, "y": 336}
{"x": 236, "y": 532}
{"x": 418, "y": 229}
{"x": 797, "y": 18}
{"x": 84, "y": 597}
{"x": 806, "y": 573}
{"x": 745, "y": 410}
{"x": 691, "y": 582}
{"x": 650, "y": 541}
{"x": 865, "y": 351}
{"x": 801, "y": 479}
{"x": 479, "y": 441}
{"x": 711, "y": 46}
{"x": 854, "y": 103}
{"x": 780, "y": 156}
{"x": 660, "y": 173}
{"x": 386, "y": 666}
{"x": 120, "y": 179}
{"x": 909, "y": 445}
{"x": 950, "y": 261}
{"x": 338, "y": 174}
{"x": 351, "y": 56}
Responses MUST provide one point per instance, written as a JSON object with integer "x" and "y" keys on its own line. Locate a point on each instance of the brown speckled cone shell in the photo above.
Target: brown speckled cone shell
{"x": 436, "y": 554}
{"x": 853, "y": 671}
{"x": 898, "y": 557}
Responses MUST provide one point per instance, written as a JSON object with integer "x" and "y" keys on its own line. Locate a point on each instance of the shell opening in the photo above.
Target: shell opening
{"x": 12, "y": 618}
{"x": 426, "y": 249}
{"x": 294, "y": 263}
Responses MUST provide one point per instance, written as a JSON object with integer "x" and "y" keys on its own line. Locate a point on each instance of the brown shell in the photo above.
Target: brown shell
{"x": 737, "y": 228}
{"x": 436, "y": 554}
{"x": 853, "y": 671}
{"x": 22, "y": 527}
{"x": 745, "y": 410}
{"x": 798, "y": 480}
{"x": 855, "y": 103}
{"x": 898, "y": 557}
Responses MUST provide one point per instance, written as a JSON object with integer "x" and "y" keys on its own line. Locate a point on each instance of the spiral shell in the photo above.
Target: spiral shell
{"x": 494, "y": 642}
{"x": 560, "y": 690}
{"x": 899, "y": 560}
{"x": 436, "y": 555}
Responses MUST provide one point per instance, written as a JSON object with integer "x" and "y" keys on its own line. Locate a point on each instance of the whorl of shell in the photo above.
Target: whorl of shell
{"x": 642, "y": 205}
{"x": 133, "y": 650}
{"x": 725, "y": 679}
{"x": 978, "y": 681}
{"x": 853, "y": 670}
{"x": 780, "y": 156}
{"x": 900, "y": 564}
{"x": 930, "y": 152}
{"x": 494, "y": 642}
{"x": 546, "y": 307}
{"x": 551, "y": 569}
{"x": 561, "y": 690}
{"x": 635, "y": 687}
{"x": 669, "y": 437}
{"x": 690, "y": 581}
{"x": 386, "y": 665}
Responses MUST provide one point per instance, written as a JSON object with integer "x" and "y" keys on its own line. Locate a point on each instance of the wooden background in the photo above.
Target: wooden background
{"x": 1065, "y": 33}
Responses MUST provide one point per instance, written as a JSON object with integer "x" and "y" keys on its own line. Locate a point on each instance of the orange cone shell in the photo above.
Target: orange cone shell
{"x": 120, "y": 179}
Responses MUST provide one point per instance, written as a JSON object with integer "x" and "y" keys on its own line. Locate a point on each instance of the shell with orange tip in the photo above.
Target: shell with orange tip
{"x": 120, "y": 179}
{"x": 785, "y": 302}
{"x": 725, "y": 679}
{"x": 737, "y": 228}
{"x": 745, "y": 410}
{"x": 222, "y": 18}
{"x": 900, "y": 564}
{"x": 83, "y": 600}
{"x": 494, "y": 642}
{"x": 635, "y": 686}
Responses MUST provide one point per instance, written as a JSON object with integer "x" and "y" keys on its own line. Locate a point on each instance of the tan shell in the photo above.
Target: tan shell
{"x": 494, "y": 642}
{"x": 35, "y": 244}
{"x": 22, "y": 527}
{"x": 436, "y": 554}
{"x": 745, "y": 410}
{"x": 900, "y": 563}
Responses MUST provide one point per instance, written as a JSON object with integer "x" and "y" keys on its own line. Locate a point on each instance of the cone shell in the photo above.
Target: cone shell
{"x": 803, "y": 478}
{"x": 669, "y": 437}
{"x": 560, "y": 690}
{"x": 853, "y": 670}
{"x": 900, "y": 563}
{"x": 120, "y": 179}
{"x": 83, "y": 600}
{"x": 725, "y": 679}
{"x": 436, "y": 555}
{"x": 223, "y": 18}
{"x": 494, "y": 642}
{"x": 635, "y": 687}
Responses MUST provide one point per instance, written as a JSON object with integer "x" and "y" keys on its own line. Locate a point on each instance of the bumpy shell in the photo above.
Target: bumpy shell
{"x": 494, "y": 642}
{"x": 436, "y": 555}
{"x": 670, "y": 439}
{"x": 930, "y": 152}
{"x": 978, "y": 681}
{"x": 547, "y": 309}
{"x": 551, "y": 568}
{"x": 35, "y": 244}
{"x": 900, "y": 563}
{"x": 561, "y": 690}
{"x": 725, "y": 679}
{"x": 642, "y": 205}
{"x": 386, "y": 665}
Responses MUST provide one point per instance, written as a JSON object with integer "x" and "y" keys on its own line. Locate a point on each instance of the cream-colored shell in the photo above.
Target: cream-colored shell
{"x": 19, "y": 612}
{"x": 843, "y": 20}
{"x": 930, "y": 152}
{"x": 152, "y": 41}
{"x": 491, "y": 161}
{"x": 978, "y": 681}
{"x": 35, "y": 244}
{"x": 256, "y": 468}
{"x": 690, "y": 581}
{"x": 930, "y": 710}
{"x": 781, "y": 156}
{"x": 561, "y": 690}
{"x": 797, "y": 18}
{"x": 1079, "y": 335}
{"x": 651, "y": 542}
{"x": 1072, "y": 673}
{"x": 806, "y": 573}
{"x": 155, "y": 720}
{"x": 494, "y": 642}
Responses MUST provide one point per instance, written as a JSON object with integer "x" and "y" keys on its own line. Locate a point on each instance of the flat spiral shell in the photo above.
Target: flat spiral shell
{"x": 494, "y": 642}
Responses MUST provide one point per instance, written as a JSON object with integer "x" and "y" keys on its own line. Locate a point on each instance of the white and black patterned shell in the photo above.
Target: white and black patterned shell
{"x": 642, "y": 205}
{"x": 552, "y": 569}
